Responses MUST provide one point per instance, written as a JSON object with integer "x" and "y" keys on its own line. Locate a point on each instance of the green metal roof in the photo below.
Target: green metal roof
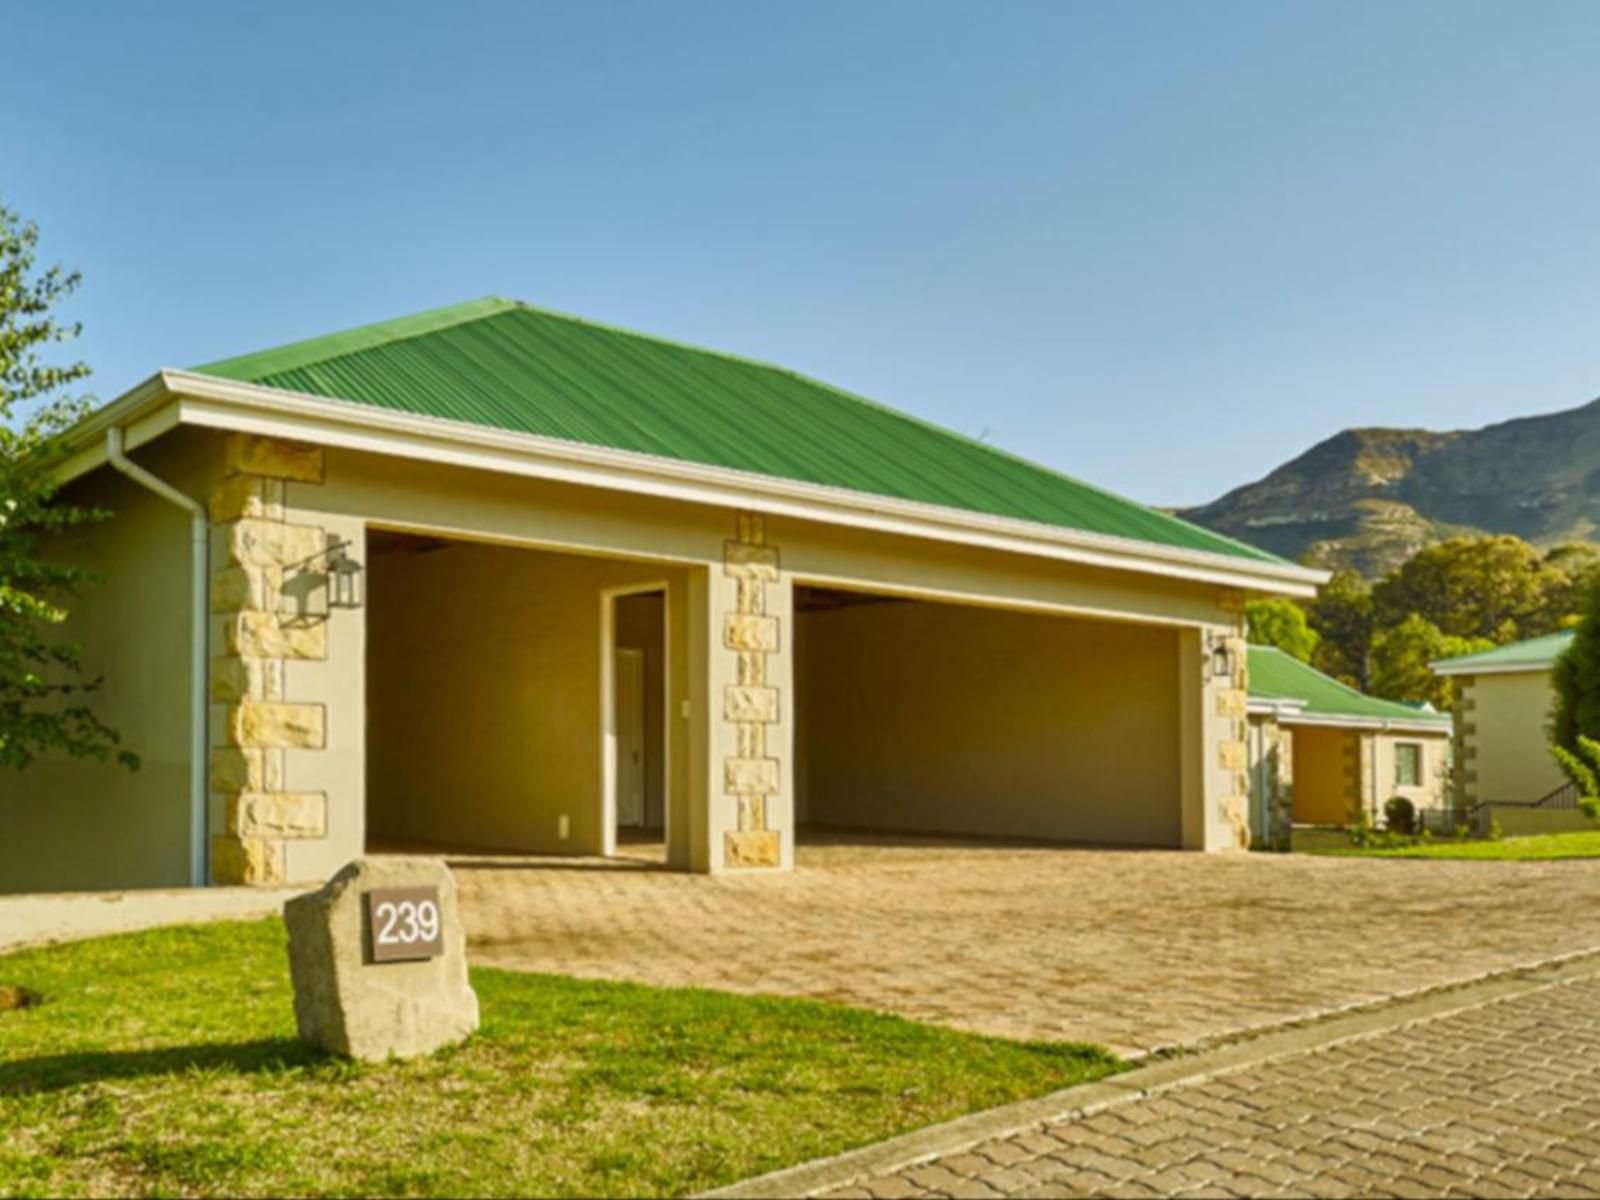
{"x": 1535, "y": 654}
{"x": 1275, "y": 675}
{"x": 505, "y": 365}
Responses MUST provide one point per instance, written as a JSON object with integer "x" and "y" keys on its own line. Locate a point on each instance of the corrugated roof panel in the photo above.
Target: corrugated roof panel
{"x": 1275, "y": 675}
{"x": 505, "y": 365}
{"x": 1535, "y": 654}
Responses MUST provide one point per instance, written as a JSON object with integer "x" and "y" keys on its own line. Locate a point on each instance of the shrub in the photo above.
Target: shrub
{"x": 1585, "y": 775}
{"x": 1358, "y": 825}
{"x": 1400, "y": 815}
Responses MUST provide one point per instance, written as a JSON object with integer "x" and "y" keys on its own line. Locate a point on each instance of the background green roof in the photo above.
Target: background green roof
{"x": 1534, "y": 654}
{"x": 1274, "y": 675}
{"x": 505, "y": 365}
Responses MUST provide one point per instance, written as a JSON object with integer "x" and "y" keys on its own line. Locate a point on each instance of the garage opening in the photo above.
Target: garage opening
{"x": 517, "y": 700}
{"x": 923, "y": 717}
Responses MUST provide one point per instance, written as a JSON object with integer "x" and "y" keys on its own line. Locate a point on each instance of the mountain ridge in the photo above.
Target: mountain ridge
{"x": 1369, "y": 497}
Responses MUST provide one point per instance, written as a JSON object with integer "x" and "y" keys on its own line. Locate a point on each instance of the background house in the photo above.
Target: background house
{"x": 1320, "y": 749}
{"x": 1503, "y": 700}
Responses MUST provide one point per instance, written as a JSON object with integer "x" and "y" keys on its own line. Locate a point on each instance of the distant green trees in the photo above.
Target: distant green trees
{"x": 1342, "y": 617}
{"x": 1400, "y": 655}
{"x": 1455, "y": 597}
{"x": 1475, "y": 587}
{"x": 1284, "y": 624}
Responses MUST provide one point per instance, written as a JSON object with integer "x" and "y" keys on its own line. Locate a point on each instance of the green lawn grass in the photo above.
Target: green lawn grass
{"x": 165, "y": 1063}
{"x": 1581, "y": 844}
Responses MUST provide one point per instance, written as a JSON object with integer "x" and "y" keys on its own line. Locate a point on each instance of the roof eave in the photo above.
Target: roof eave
{"x": 1460, "y": 667}
{"x": 229, "y": 404}
{"x": 1377, "y": 724}
{"x": 144, "y": 412}
{"x": 1274, "y": 706}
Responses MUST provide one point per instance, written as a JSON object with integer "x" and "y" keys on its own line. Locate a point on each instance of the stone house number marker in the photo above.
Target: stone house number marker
{"x": 378, "y": 958}
{"x": 404, "y": 924}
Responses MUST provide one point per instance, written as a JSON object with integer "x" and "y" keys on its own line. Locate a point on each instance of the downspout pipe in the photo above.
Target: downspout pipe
{"x": 199, "y": 644}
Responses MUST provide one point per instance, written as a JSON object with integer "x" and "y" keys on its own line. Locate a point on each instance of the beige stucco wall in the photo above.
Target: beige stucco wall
{"x": 957, "y": 719}
{"x": 1502, "y": 750}
{"x": 339, "y": 683}
{"x": 825, "y": 554}
{"x": 1213, "y": 777}
{"x": 1432, "y": 791}
{"x": 1335, "y": 768}
{"x": 483, "y": 710}
{"x": 1519, "y": 821}
{"x": 738, "y": 760}
{"x": 83, "y": 825}
{"x": 459, "y": 502}
{"x": 684, "y": 542}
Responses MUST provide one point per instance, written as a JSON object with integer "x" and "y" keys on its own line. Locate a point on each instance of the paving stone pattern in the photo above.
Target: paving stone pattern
{"x": 1499, "y": 1100}
{"x": 1131, "y": 949}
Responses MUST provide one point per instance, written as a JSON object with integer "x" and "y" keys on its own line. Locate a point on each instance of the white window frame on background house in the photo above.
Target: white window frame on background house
{"x": 1403, "y": 750}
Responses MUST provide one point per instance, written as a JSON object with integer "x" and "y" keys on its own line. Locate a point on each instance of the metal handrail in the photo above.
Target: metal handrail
{"x": 1568, "y": 795}
{"x": 1565, "y": 796}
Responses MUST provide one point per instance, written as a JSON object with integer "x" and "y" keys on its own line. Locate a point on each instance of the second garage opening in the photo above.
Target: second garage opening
{"x": 924, "y": 717}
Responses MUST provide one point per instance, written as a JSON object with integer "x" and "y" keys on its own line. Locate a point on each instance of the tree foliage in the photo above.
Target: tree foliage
{"x": 1457, "y": 596}
{"x": 1575, "y": 718}
{"x": 1483, "y": 587}
{"x": 44, "y": 694}
{"x": 1571, "y": 571}
{"x": 1401, "y": 654}
{"x": 1342, "y": 617}
{"x": 1282, "y": 623}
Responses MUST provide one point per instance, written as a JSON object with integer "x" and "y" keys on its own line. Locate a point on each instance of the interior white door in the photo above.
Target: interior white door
{"x": 630, "y": 737}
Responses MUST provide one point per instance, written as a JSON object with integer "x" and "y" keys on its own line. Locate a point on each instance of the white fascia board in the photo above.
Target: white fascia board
{"x": 144, "y": 414}
{"x": 1281, "y": 708}
{"x": 1376, "y": 724}
{"x": 227, "y": 404}
{"x": 1446, "y": 667}
{"x": 140, "y": 430}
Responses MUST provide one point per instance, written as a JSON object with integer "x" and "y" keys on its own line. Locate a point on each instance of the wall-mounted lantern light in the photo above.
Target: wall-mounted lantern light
{"x": 329, "y": 579}
{"x": 1221, "y": 658}
{"x": 344, "y": 575}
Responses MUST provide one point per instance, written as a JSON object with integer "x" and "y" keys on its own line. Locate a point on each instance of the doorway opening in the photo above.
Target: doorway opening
{"x": 634, "y": 691}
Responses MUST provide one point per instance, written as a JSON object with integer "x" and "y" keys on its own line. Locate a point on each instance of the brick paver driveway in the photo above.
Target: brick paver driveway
{"x": 1499, "y": 1100}
{"x": 1132, "y": 949}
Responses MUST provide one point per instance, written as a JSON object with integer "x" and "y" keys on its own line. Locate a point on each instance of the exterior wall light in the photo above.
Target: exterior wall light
{"x": 1221, "y": 658}
{"x": 344, "y": 575}
{"x": 328, "y": 579}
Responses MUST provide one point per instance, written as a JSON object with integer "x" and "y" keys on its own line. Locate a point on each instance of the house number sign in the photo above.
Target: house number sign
{"x": 404, "y": 924}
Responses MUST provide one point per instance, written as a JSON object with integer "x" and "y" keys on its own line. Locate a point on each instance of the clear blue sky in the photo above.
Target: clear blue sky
{"x": 1161, "y": 247}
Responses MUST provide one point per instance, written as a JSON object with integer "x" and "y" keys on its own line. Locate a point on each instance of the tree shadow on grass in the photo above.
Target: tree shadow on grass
{"x": 53, "y": 1072}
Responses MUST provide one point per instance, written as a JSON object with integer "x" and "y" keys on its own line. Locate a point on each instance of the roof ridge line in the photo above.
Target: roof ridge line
{"x": 298, "y": 355}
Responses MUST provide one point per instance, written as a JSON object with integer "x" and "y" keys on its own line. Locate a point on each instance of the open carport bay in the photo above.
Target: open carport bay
{"x": 945, "y": 718}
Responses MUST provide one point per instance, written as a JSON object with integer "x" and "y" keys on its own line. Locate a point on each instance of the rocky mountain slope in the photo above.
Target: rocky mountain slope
{"x": 1369, "y": 498}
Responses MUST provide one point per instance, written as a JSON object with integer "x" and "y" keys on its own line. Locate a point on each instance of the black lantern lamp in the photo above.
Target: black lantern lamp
{"x": 329, "y": 579}
{"x": 1221, "y": 658}
{"x": 343, "y": 574}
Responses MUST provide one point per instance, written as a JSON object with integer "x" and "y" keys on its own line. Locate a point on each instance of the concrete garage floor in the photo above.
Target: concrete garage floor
{"x": 1132, "y": 949}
